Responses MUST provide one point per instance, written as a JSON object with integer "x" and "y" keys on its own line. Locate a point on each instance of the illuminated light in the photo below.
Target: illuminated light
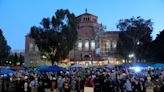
{"x": 18, "y": 63}
{"x": 136, "y": 69}
{"x": 123, "y": 61}
{"x": 117, "y": 62}
{"x": 131, "y": 55}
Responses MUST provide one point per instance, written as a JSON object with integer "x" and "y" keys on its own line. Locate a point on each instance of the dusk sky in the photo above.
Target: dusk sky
{"x": 17, "y": 16}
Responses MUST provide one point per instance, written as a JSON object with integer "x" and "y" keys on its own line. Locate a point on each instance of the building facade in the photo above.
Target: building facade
{"x": 92, "y": 42}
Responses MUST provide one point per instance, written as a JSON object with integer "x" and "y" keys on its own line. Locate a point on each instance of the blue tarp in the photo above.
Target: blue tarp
{"x": 140, "y": 65}
{"x": 125, "y": 65}
{"x": 157, "y": 65}
{"x": 7, "y": 71}
{"x": 109, "y": 66}
{"x": 42, "y": 67}
{"x": 53, "y": 68}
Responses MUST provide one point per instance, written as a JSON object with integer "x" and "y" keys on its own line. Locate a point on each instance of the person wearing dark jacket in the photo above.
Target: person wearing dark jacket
{"x": 97, "y": 85}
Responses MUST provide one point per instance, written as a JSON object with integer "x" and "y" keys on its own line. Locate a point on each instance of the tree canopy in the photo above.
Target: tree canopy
{"x": 4, "y": 48}
{"x": 56, "y": 36}
{"x": 134, "y": 36}
{"x": 158, "y": 48}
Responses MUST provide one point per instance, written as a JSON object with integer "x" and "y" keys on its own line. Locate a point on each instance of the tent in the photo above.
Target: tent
{"x": 109, "y": 66}
{"x": 76, "y": 66}
{"x": 42, "y": 67}
{"x": 7, "y": 71}
{"x": 17, "y": 68}
{"x": 140, "y": 65}
{"x": 2, "y": 67}
{"x": 125, "y": 65}
{"x": 157, "y": 65}
{"x": 53, "y": 68}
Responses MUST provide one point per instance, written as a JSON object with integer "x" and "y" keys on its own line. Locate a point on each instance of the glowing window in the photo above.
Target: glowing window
{"x": 86, "y": 45}
{"x": 114, "y": 44}
{"x": 92, "y": 45}
{"x": 80, "y": 45}
{"x": 108, "y": 44}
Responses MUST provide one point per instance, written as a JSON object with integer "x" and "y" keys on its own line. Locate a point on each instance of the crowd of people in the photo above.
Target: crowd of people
{"x": 117, "y": 79}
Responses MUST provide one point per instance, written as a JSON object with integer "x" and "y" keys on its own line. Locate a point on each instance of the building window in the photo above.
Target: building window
{"x": 79, "y": 46}
{"x": 108, "y": 44}
{"x": 92, "y": 45}
{"x": 114, "y": 44}
{"x": 86, "y": 45}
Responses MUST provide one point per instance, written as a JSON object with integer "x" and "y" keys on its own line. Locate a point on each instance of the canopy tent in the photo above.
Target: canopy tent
{"x": 140, "y": 65}
{"x": 42, "y": 67}
{"x": 18, "y": 68}
{"x": 53, "y": 68}
{"x": 7, "y": 71}
{"x": 125, "y": 65}
{"x": 76, "y": 66}
{"x": 109, "y": 66}
{"x": 157, "y": 65}
{"x": 2, "y": 67}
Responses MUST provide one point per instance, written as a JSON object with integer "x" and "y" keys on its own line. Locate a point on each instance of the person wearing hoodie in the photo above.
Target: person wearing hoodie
{"x": 127, "y": 86}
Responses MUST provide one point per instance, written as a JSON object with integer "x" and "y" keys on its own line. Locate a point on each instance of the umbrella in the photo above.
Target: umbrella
{"x": 7, "y": 71}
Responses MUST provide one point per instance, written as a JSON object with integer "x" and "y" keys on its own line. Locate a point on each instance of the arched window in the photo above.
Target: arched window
{"x": 79, "y": 46}
{"x": 92, "y": 45}
{"x": 108, "y": 44}
{"x": 86, "y": 45}
{"x": 114, "y": 44}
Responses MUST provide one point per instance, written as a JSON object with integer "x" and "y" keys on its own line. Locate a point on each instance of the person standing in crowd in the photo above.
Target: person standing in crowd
{"x": 73, "y": 85}
{"x": 157, "y": 85}
{"x": 127, "y": 86}
{"x": 97, "y": 85}
{"x": 136, "y": 86}
{"x": 1, "y": 82}
{"x": 60, "y": 83}
{"x": 26, "y": 84}
{"x": 34, "y": 85}
{"x": 54, "y": 84}
{"x": 19, "y": 85}
{"x": 149, "y": 85}
{"x": 47, "y": 84}
{"x": 40, "y": 85}
{"x": 79, "y": 85}
{"x": 5, "y": 83}
{"x": 66, "y": 86}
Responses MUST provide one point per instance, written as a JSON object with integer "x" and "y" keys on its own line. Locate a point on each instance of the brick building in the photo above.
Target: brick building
{"x": 92, "y": 42}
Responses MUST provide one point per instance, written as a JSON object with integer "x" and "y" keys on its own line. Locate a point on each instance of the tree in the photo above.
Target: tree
{"x": 134, "y": 36}
{"x": 21, "y": 59}
{"x": 158, "y": 48}
{"x": 4, "y": 48}
{"x": 56, "y": 36}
